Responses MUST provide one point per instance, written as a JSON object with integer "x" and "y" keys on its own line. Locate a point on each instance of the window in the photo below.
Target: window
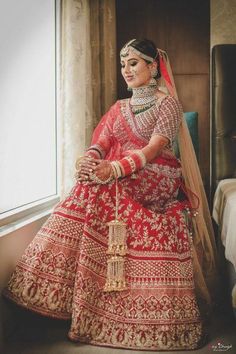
{"x": 28, "y": 106}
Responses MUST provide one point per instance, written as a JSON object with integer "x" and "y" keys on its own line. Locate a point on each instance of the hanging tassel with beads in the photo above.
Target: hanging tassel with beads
{"x": 117, "y": 250}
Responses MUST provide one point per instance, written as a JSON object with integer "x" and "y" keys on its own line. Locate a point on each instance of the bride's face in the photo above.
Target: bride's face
{"x": 135, "y": 70}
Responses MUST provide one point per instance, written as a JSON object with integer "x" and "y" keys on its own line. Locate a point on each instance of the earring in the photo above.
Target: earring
{"x": 152, "y": 82}
{"x": 154, "y": 72}
{"x": 129, "y": 88}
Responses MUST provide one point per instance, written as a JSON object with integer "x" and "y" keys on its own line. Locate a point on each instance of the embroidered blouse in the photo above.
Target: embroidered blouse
{"x": 163, "y": 118}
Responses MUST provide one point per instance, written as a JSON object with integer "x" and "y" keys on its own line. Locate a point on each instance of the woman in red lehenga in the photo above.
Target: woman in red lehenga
{"x": 144, "y": 299}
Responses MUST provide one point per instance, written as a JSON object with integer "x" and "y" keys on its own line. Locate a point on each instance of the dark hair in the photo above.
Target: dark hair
{"x": 145, "y": 46}
{"x": 148, "y": 47}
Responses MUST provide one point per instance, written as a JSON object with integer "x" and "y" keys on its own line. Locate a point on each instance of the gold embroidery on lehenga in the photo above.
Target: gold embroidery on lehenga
{"x": 136, "y": 314}
{"x": 63, "y": 271}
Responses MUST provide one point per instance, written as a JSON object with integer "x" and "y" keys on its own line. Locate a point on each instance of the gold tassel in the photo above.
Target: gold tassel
{"x": 117, "y": 238}
{"x": 117, "y": 249}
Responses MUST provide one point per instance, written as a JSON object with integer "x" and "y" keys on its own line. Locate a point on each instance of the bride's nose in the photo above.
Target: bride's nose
{"x": 127, "y": 69}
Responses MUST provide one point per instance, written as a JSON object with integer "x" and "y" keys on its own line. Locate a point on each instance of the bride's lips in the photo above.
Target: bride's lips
{"x": 129, "y": 78}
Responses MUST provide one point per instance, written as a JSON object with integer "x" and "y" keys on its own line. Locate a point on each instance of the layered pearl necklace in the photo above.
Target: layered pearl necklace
{"x": 143, "y": 98}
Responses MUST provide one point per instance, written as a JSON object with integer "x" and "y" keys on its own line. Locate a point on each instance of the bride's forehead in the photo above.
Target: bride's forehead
{"x": 129, "y": 56}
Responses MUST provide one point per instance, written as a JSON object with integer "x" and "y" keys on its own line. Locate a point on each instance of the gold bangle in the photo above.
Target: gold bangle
{"x": 96, "y": 179}
{"x": 116, "y": 169}
{"x": 99, "y": 181}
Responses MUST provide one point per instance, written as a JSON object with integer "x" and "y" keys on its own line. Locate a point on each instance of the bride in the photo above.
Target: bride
{"x": 117, "y": 255}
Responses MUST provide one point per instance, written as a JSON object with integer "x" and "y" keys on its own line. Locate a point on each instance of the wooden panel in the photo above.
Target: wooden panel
{"x": 180, "y": 27}
{"x": 132, "y": 22}
{"x": 193, "y": 93}
{"x": 188, "y": 36}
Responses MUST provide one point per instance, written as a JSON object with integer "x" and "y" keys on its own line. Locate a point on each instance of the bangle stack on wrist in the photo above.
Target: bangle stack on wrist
{"x": 129, "y": 164}
{"x": 116, "y": 169}
{"x": 95, "y": 151}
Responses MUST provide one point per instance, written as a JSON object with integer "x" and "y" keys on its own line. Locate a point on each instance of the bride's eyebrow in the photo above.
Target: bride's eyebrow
{"x": 122, "y": 61}
{"x": 132, "y": 59}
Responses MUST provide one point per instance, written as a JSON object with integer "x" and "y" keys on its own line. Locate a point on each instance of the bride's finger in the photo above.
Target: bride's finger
{"x": 88, "y": 164}
{"x": 86, "y": 170}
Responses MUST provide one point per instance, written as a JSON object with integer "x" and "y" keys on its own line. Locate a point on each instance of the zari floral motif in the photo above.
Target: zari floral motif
{"x": 63, "y": 271}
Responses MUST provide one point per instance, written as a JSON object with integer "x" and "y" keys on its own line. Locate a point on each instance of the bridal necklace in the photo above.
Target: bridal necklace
{"x": 143, "y": 97}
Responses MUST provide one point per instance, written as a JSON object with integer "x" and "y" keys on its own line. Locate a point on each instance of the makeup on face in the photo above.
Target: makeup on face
{"x": 135, "y": 70}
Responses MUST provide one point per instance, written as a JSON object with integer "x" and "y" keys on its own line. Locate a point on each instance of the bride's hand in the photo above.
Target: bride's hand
{"x": 103, "y": 170}
{"x": 85, "y": 167}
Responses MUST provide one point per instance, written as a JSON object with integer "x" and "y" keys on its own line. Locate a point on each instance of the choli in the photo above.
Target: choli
{"x": 162, "y": 118}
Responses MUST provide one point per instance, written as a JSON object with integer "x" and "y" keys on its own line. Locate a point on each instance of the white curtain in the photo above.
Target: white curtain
{"x": 103, "y": 44}
{"x": 76, "y": 95}
{"x": 88, "y": 76}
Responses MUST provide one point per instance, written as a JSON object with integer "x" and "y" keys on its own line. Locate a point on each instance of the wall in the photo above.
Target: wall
{"x": 223, "y": 20}
{"x": 13, "y": 245}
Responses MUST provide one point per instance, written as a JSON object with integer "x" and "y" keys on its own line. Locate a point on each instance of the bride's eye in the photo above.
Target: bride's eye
{"x": 133, "y": 63}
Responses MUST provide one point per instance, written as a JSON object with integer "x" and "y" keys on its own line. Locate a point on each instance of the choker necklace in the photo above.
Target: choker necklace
{"x": 144, "y": 95}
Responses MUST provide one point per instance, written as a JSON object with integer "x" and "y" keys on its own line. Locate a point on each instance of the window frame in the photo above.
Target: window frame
{"x": 16, "y": 218}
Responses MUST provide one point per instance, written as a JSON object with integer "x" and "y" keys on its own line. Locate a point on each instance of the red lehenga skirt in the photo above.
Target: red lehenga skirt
{"x": 63, "y": 271}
